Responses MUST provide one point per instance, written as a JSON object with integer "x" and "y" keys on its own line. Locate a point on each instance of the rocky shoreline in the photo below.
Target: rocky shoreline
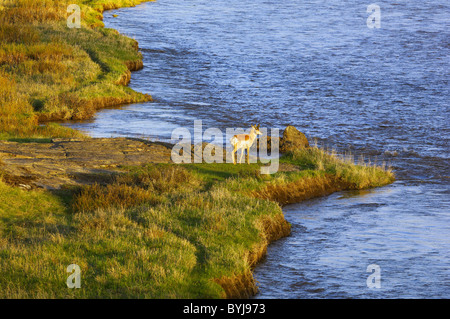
{"x": 74, "y": 161}
{"x": 81, "y": 161}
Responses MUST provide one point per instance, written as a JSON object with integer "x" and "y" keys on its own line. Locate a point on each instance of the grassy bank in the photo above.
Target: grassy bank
{"x": 154, "y": 231}
{"x": 50, "y": 72}
{"x": 161, "y": 230}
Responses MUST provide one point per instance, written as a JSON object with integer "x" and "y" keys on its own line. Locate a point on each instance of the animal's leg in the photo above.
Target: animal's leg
{"x": 248, "y": 155}
{"x": 234, "y": 154}
{"x": 242, "y": 153}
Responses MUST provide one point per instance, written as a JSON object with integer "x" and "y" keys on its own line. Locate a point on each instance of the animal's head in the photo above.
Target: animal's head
{"x": 257, "y": 131}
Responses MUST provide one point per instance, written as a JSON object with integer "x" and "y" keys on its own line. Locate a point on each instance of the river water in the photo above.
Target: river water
{"x": 377, "y": 92}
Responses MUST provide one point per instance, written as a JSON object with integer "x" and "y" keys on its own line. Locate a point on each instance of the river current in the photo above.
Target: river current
{"x": 381, "y": 93}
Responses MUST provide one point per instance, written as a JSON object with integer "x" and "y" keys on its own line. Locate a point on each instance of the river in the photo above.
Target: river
{"x": 381, "y": 93}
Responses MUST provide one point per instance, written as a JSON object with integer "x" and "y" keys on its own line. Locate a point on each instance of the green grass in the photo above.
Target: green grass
{"x": 51, "y": 72}
{"x": 362, "y": 175}
{"x": 171, "y": 248}
{"x": 153, "y": 231}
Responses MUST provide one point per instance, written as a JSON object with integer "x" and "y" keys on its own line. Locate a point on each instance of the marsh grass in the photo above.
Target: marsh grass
{"x": 358, "y": 174}
{"x": 149, "y": 184}
{"x": 17, "y": 117}
{"x": 161, "y": 230}
{"x": 49, "y": 72}
{"x": 155, "y": 231}
{"x": 164, "y": 249}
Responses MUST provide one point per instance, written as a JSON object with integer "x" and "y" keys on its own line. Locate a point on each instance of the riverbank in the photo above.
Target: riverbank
{"x": 136, "y": 229}
{"x": 50, "y": 72}
{"x": 149, "y": 230}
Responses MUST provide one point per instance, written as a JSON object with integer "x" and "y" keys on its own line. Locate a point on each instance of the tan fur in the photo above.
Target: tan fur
{"x": 244, "y": 142}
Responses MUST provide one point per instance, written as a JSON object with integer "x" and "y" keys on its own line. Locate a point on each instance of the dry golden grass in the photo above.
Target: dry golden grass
{"x": 133, "y": 189}
{"x": 95, "y": 197}
{"x": 161, "y": 230}
{"x": 154, "y": 232}
{"x": 25, "y": 11}
{"x": 61, "y": 73}
{"x": 17, "y": 117}
{"x": 11, "y": 33}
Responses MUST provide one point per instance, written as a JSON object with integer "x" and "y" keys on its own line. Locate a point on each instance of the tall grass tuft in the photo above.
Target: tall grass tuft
{"x": 359, "y": 174}
{"x": 146, "y": 185}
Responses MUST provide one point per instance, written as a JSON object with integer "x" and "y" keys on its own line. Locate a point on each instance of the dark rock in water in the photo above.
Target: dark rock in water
{"x": 292, "y": 140}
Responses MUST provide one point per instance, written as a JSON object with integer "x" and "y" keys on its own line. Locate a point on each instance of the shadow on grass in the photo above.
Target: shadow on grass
{"x": 29, "y": 140}
{"x": 212, "y": 173}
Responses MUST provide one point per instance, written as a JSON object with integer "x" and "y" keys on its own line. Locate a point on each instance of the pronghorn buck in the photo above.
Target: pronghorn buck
{"x": 244, "y": 142}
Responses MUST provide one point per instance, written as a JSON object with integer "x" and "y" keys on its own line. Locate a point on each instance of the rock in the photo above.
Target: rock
{"x": 292, "y": 140}
{"x": 69, "y": 161}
